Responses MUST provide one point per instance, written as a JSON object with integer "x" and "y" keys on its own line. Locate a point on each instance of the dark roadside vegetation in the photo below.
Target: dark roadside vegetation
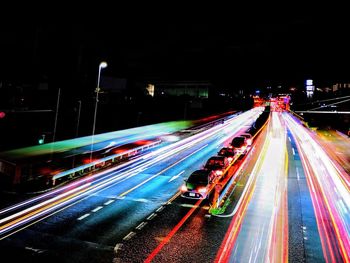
{"x": 23, "y": 127}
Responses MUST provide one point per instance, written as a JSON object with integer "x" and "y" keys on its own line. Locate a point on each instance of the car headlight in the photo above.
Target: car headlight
{"x": 218, "y": 172}
{"x": 202, "y": 190}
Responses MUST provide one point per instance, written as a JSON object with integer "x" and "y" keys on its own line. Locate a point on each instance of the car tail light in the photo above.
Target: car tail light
{"x": 183, "y": 188}
{"x": 202, "y": 190}
{"x": 218, "y": 172}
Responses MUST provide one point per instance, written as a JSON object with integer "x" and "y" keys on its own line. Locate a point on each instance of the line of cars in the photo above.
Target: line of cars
{"x": 199, "y": 183}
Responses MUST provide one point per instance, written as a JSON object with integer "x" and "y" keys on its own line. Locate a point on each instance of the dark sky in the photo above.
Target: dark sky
{"x": 227, "y": 48}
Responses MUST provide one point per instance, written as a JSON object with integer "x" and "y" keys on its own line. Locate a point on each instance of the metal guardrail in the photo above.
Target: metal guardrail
{"x": 213, "y": 123}
{"x": 112, "y": 158}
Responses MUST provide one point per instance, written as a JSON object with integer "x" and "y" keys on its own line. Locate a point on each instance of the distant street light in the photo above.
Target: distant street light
{"x": 41, "y": 139}
{"x": 101, "y": 66}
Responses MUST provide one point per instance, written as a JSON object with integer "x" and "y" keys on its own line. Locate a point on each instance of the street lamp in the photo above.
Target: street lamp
{"x": 101, "y": 66}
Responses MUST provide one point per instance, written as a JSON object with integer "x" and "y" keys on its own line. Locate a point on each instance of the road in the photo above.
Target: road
{"x": 329, "y": 189}
{"x": 262, "y": 235}
{"x": 290, "y": 203}
{"x": 337, "y": 146}
{"x": 99, "y": 211}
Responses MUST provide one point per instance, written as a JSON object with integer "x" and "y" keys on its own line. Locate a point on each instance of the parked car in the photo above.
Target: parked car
{"x": 227, "y": 152}
{"x": 249, "y": 138}
{"x": 239, "y": 144}
{"x": 217, "y": 164}
{"x": 198, "y": 184}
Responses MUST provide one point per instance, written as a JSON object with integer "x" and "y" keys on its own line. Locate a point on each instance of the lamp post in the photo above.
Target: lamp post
{"x": 101, "y": 66}
{"x": 77, "y": 129}
{"x": 55, "y": 125}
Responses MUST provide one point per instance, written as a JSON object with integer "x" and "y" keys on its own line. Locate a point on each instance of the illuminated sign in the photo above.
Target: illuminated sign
{"x": 150, "y": 89}
{"x": 309, "y": 82}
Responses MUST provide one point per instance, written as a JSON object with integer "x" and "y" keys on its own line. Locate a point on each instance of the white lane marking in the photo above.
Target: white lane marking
{"x": 166, "y": 169}
{"x": 297, "y": 170}
{"x": 84, "y": 216}
{"x": 109, "y": 202}
{"x": 140, "y": 226}
{"x": 176, "y": 176}
{"x": 293, "y": 151}
{"x": 97, "y": 208}
{"x": 120, "y": 197}
{"x": 289, "y": 139}
{"x": 160, "y": 209}
{"x": 153, "y": 215}
{"x": 129, "y": 236}
{"x": 117, "y": 247}
{"x": 142, "y": 200}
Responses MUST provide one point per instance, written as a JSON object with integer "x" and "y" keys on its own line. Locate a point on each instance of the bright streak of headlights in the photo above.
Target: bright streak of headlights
{"x": 82, "y": 188}
{"x": 333, "y": 188}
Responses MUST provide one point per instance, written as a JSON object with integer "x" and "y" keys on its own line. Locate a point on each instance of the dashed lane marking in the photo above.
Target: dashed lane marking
{"x": 118, "y": 247}
{"x": 153, "y": 215}
{"x": 109, "y": 202}
{"x": 129, "y": 236}
{"x": 97, "y": 208}
{"x": 84, "y": 216}
{"x": 142, "y": 225}
{"x": 160, "y": 209}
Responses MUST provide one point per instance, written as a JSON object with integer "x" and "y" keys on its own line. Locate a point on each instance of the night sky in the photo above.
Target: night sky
{"x": 231, "y": 47}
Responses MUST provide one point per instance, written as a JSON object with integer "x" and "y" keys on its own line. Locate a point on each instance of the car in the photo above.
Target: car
{"x": 217, "y": 164}
{"x": 198, "y": 184}
{"x": 227, "y": 152}
{"x": 239, "y": 144}
{"x": 249, "y": 138}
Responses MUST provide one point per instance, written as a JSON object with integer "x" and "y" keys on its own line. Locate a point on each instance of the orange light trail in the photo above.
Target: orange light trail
{"x": 326, "y": 188}
{"x": 172, "y": 232}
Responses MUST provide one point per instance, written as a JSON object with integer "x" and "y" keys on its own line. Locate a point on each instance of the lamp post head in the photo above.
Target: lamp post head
{"x": 103, "y": 64}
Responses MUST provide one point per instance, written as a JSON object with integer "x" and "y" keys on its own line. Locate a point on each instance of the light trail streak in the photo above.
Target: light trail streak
{"x": 319, "y": 212}
{"x": 172, "y": 232}
{"x": 261, "y": 236}
{"x": 278, "y": 251}
{"x": 162, "y": 171}
{"x": 240, "y": 210}
{"x": 88, "y": 186}
{"x": 324, "y": 177}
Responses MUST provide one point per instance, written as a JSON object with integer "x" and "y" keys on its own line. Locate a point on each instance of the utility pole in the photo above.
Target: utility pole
{"x": 78, "y": 119}
{"x": 56, "y": 115}
{"x": 77, "y": 129}
{"x": 56, "y": 118}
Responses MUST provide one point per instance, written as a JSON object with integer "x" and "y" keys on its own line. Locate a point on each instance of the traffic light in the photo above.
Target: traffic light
{"x": 2, "y": 114}
{"x": 41, "y": 139}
